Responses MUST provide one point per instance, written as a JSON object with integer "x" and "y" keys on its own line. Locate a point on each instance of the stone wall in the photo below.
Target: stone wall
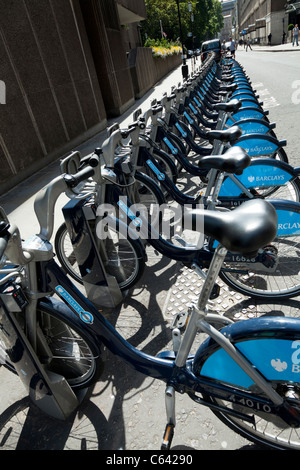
{"x": 63, "y": 72}
{"x": 147, "y": 70}
{"x": 53, "y": 98}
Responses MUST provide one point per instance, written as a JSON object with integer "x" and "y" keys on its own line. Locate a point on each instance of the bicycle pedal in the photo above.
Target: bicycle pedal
{"x": 183, "y": 243}
{"x": 215, "y": 292}
{"x": 180, "y": 321}
{"x": 168, "y": 436}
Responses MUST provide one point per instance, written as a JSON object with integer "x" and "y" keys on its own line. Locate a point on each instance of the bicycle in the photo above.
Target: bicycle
{"x": 124, "y": 258}
{"x": 244, "y": 392}
{"x": 265, "y": 177}
{"x": 250, "y": 277}
{"x": 273, "y": 273}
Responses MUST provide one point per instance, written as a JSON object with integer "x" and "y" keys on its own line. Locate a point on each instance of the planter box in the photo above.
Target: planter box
{"x": 147, "y": 70}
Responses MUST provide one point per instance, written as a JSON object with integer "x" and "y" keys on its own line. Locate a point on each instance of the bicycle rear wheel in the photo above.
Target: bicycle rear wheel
{"x": 262, "y": 341}
{"x": 290, "y": 191}
{"x": 273, "y": 434}
{"x": 261, "y": 282}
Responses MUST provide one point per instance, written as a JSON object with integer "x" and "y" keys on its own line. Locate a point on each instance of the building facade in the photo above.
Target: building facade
{"x": 66, "y": 67}
{"x": 65, "y": 70}
{"x": 229, "y": 12}
{"x": 258, "y": 19}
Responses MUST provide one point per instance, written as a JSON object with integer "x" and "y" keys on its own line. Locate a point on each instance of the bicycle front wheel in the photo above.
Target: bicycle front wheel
{"x": 146, "y": 194}
{"x": 67, "y": 351}
{"x": 123, "y": 256}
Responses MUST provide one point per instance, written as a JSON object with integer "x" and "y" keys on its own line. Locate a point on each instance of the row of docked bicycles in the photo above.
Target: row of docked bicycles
{"x": 246, "y": 206}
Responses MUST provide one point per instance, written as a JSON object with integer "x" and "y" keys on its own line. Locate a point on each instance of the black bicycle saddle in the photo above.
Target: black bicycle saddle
{"x": 228, "y": 88}
{"x": 226, "y": 135}
{"x": 244, "y": 230}
{"x": 230, "y": 107}
{"x": 235, "y": 160}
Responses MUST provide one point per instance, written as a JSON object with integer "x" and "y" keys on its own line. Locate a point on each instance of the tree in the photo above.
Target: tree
{"x": 208, "y": 20}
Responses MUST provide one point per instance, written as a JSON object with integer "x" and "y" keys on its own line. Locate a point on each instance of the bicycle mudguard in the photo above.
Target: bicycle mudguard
{"x": 288, "y": 217}
{"x": 254, "y": 126}
{"x": 67, "y": 309}
{"x": 247, "y": 113}
{"x": 244, "y": 95}
{"x": 271, "y": 345}
{"x": 244, "y": 89}
{"x": 262, "y": 172}
{"x": 259, "y": 144}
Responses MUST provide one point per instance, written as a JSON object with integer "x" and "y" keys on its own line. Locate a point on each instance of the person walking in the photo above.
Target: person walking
{"x": 283, "y": 37}
{"x": 232, "y": 47}
{"x": 248, "y": 44}
{"x": 295, "y": 35}
{"x": 270, "y": 39}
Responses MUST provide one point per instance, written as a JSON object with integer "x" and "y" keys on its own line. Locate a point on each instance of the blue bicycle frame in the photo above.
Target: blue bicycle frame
{"x": 211, "y": 371}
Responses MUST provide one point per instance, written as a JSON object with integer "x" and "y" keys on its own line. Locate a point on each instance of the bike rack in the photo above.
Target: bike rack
{"x": 49, "y": 391}
{"x": 101, "y": 288}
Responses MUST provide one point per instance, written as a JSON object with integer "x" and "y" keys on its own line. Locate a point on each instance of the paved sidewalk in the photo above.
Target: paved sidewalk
{"x": 278, "y": 48}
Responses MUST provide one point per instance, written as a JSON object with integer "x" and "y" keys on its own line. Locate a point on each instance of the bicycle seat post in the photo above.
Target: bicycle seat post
{"x": 198, "y": 312}
{"x": 217, "y": 180}
{"x": 212, "y": 274}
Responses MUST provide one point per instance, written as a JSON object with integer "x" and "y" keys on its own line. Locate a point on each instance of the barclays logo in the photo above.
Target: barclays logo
{"x": 260, "y": 179}
{"x": 289, "y": 226}
{"x": 260, "y": 149}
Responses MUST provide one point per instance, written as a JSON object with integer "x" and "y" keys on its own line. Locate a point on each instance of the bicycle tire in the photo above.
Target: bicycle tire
{"x": 284, "y": 283}
{"x": 289, "y": 191}
{"x": 82, "y": 433}
{"x": 281, "y": 155}
{"x": 254, "y": 435}
{"x": 72, "y": 353}
{"x": 127, "y": 269}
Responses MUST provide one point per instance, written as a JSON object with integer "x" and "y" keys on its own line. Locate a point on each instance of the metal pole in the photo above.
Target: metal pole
{"x": 184, "y": 68}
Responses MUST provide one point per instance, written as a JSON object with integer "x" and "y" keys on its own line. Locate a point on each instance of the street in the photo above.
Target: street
{"x": 275, "y": 76}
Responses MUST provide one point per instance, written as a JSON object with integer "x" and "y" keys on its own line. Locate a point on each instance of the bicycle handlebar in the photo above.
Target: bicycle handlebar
{"x": 45, "y": 200}
{"x": 3, "y": 245}
{"x": 83, "y": 174}
{"x": 73, "y": 180}
{"x": 4, "y": 237}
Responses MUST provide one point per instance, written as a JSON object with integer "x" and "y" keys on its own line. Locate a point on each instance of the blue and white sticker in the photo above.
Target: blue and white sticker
{"x": 182, "y": 132}
{"x": 160, "y": 176}
{"x": 190, "y": 120}
{"x": 170, "y": 145}
{"x": 84, "y": 316}
{"x": 137, "y": 222}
